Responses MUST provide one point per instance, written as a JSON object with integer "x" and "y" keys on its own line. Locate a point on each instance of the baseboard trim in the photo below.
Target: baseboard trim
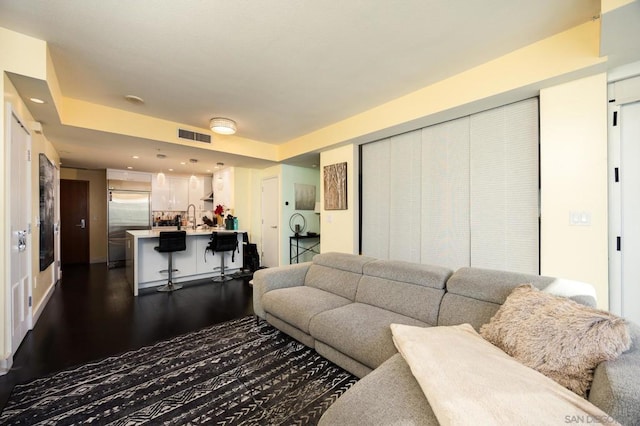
{"x": 43, "y": 303}
{"x": 6, "y": 364}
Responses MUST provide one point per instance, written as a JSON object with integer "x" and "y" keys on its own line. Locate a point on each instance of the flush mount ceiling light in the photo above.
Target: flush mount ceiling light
{"x": 223, "y": 126}
{"x": 36, "y": 100}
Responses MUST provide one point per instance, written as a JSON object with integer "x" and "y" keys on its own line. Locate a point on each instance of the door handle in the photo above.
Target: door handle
{"x": 81, "y": 224}
{"x": 22, "y": 240}
{"x": 274, "y": 226}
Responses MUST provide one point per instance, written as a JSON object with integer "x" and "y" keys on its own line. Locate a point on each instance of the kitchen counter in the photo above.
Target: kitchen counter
{"x": 143, "y": 263}
{"x": 153, "y": 233}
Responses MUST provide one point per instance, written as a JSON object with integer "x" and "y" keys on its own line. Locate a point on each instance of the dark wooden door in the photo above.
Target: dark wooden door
{"x": 74, "y": 221}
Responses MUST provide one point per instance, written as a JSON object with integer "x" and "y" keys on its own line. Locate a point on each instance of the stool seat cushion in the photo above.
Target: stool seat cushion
{"x": 223, "y": 241}
{"x": 170, "y": 241}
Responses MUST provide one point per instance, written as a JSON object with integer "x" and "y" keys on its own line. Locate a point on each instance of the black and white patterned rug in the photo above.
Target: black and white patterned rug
{"x": 231, "y": 373}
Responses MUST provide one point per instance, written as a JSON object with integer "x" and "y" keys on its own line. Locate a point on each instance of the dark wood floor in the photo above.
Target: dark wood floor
{"x": 92, "y": 315}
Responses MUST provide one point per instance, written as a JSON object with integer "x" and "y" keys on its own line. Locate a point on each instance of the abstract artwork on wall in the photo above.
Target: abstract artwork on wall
{"x": 46, "y": 212}
{"x": 305, "y": 196}
{"x": 335, "y": 186}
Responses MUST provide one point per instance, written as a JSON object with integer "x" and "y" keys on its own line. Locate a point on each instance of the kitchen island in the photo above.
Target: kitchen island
{"x": 143, "y": 263}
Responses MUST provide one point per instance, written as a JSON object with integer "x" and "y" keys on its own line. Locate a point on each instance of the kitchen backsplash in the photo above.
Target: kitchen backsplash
{"x": 169, "y": 218}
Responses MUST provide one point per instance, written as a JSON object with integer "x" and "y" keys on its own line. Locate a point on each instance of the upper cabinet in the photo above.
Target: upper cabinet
{"x": 199, "y": 191}
{"x": 172, "y": 195}
{"x": 177, "y": 192}
{"x": 129, "y": 175}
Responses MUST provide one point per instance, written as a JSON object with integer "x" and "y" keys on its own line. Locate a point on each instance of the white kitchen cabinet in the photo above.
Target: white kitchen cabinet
{"x": 128, "y": 175}
{"x": 173, "y": 195}
{"x": 179, "y": 199}
{"x": 199, "y": 189}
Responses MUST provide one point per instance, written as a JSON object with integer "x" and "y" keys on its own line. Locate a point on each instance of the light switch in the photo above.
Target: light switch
{"x": 580, "y": 218}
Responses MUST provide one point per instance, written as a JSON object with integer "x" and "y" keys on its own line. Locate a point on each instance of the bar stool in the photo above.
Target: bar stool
{"x": 170, "y": 242}
{"x": 223, "y": 242}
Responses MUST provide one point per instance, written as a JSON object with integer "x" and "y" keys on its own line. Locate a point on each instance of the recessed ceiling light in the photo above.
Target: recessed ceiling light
{"x": 183, "y": 163}
{"x": 137, "y": 100}
{"x": 208, "y": 171}
{"x": 135, "y": 156}
{"x": 36, "y": 100}
{"x": 170, "y": 170}
{"x": 129, "y": 167}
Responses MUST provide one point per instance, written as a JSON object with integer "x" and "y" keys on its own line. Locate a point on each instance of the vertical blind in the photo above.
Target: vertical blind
{"x": 459, "y": 193}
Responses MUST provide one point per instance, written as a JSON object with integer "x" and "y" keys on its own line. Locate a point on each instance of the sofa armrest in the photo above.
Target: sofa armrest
{"x": 615, "y": 387}
{"x": 268, "y": 279}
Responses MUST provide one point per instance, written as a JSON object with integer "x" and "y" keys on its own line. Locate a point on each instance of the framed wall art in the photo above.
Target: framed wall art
{"x": 305, "y": 196}
{"x": 46, "y": 211}
{"x": 335, "y": 186}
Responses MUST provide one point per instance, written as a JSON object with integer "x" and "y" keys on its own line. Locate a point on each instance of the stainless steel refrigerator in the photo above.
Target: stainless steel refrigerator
{"x": 129, "y": 208}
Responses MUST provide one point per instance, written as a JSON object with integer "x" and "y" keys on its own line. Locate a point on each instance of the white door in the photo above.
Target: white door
{"x": 630, "y": 197}
{"x": 20, "y": 233}
{"x": 270, "y": 220}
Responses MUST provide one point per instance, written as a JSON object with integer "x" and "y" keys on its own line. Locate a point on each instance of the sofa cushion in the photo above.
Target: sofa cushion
{"x": 407, "y": 272}
{"x": 389, "y": 395}
{"x": 456, "y": 309}
{"x": 360, "y": 331}
{"x": 298, "y": 305}
{"x": 336, "y": 281}
{"x": 615, "y": 383}
{"x": 412, "y": 300}
{"x": 490, "y": 285}
{"x": 343, "y": 261}
{"x": 557, "y": 336}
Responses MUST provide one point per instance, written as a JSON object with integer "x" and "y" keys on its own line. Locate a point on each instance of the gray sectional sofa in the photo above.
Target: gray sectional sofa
{"x": 342, "y": 305}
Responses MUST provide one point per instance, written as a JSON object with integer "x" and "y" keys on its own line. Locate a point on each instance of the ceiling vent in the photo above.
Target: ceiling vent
{"x": 194, "y": 136}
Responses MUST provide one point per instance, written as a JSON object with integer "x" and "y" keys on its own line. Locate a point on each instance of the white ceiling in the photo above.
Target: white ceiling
{"x": 280, "y": 68}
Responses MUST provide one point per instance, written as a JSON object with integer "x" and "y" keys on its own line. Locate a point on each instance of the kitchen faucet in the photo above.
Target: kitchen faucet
{"x": 194, "y": 214}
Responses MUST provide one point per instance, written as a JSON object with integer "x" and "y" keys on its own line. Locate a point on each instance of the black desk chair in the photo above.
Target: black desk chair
{"x": 223, "y": 242}
{"x": 169, "y": 242}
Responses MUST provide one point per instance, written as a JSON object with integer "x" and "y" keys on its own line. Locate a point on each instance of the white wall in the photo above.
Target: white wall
{"x": 573, "y": 169}
{"x": 340, "y": 227}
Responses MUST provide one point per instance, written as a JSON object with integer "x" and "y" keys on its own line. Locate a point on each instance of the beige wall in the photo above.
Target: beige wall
{"x": 97, "y": 209}
{"x": 340, "y": 227}
{"x": 573, "y": 158}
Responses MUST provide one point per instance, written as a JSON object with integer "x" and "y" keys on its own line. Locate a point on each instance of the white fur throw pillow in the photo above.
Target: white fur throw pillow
{"x": 558, "y": 337}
